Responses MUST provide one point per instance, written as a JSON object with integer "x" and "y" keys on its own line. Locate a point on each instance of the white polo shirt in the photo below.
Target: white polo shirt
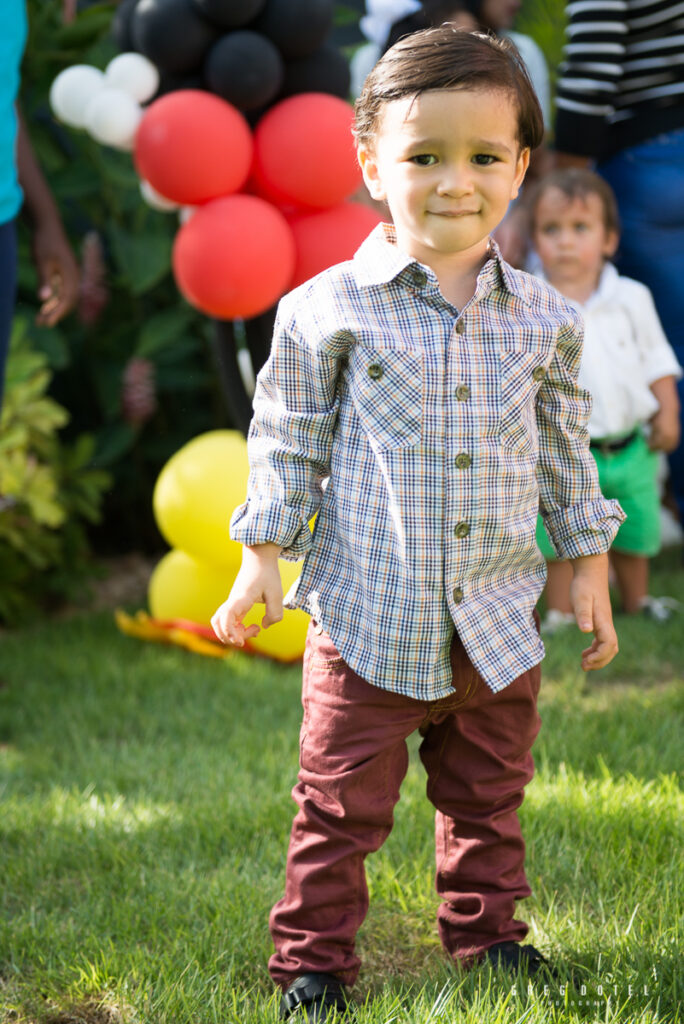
{"x": 625, "y": 351}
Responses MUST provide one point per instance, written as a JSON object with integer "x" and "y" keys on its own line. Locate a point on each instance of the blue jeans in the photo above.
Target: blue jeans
{"x": 648, "y": 181}
{"x": 8, "y": 282}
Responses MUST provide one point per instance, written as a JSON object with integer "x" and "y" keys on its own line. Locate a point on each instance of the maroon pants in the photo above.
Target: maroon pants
{"x": 353, "y": 757}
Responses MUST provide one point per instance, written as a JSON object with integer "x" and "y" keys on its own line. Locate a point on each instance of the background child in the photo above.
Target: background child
{"x": 627, "y": 365}
{"x": 411, "y": 377}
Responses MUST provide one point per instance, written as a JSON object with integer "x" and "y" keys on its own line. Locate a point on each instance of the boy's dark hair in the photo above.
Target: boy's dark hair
{"x": 448, "y": 58}
{"x": 578, "y": 183}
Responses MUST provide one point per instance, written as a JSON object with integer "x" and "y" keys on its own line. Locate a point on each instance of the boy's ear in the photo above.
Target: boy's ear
{"x": 371, "y": 174}
{"x": 611, "y": 243}
{"x": 520, "y": 171}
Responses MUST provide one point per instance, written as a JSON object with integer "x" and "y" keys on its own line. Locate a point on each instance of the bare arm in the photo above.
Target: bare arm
{"x": 665, "y": 428}
{"x": 57, "y": 269}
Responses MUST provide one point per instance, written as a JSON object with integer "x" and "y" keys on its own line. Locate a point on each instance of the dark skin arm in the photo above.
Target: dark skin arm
{"x": 58, "y": 273}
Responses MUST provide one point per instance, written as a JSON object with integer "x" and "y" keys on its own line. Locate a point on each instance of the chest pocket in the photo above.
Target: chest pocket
{"x": 386, "y": 387}
{"x": 522, "y": 373}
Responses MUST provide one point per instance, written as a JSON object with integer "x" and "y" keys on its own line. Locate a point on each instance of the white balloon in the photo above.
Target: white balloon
{"x": 135, "y": 74}
{"x": 112, "y": 118}
{"x": 72, "y": 91}
{"x": 155, "y": 199}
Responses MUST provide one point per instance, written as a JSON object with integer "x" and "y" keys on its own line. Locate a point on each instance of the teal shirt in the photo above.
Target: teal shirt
{"x": 13, "y": 30}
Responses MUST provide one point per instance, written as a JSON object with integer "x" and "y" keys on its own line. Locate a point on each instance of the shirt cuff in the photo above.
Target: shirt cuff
{"x": 271, "y": 523}
{"x": 587, "y": 529}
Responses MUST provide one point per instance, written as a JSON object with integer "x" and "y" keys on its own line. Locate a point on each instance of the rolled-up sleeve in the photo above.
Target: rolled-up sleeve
{"x": 290, "y": 439}
{"x": 578, "y": 519}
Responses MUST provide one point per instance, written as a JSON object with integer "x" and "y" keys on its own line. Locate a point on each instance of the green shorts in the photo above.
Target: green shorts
{"x": 630, "y": 476}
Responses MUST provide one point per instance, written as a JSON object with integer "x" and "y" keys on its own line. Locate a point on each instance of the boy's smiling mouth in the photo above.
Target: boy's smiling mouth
{"x": 452, "y": 213}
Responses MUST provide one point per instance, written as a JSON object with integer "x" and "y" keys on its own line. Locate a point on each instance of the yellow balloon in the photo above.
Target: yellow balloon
{"x": 181, "y": 587}
{"x": 197, "y": 492}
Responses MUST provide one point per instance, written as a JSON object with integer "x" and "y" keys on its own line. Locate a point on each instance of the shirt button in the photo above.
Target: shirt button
{"x": 462, "y": 392}
{"x": 375, "y": 371}
{"x": 462, "y": 530}
{"x": 457, "y": 595}
{"x": 538, "y": 373}
{"x": 419, "y": 278}
{"x": 460, "y": 327}
{"x": 463, "y": 460}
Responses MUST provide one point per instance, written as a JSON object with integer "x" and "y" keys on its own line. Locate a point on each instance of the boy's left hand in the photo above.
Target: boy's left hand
{"x": 664, "y": 436}
{"x": 590, "y": 602}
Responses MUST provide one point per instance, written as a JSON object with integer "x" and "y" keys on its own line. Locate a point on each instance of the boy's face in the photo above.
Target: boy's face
{"x": 571, "y": 238}
{"x": 448, "y": 162}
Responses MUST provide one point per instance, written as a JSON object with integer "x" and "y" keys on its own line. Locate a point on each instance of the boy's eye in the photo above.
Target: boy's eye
{"x": 424, "y": 159}
{"x": 549, "y": 229}
{"x": 484, "y": 159}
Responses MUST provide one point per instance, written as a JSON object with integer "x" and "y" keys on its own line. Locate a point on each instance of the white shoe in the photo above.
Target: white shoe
{"x": 555, "y": 620}
{"x": 660, "y": 609}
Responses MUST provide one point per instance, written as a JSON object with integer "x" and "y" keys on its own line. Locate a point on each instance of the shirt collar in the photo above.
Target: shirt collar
{"x": 605, "y": 290}
{"x": 379, "y": 260}
{"x": 607, "y": 286}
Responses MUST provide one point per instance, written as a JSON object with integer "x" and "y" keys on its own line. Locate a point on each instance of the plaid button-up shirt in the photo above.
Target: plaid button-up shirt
{"x": 426, "y": 439}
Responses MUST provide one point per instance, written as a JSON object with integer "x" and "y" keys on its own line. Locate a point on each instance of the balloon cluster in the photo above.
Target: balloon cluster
{"x": 193, "y": 501}
{"x": 249, "y": 52}
{"x": 271, "y": 206}
{"x": 262, "y": 210}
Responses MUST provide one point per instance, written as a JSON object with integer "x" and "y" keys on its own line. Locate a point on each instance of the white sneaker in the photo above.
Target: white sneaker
{"x": 555, "y": 620}
{"x": 660, "y": 609}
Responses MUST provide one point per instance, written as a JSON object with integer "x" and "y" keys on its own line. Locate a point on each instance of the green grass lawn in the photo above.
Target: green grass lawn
{"x": 145, "y": 814}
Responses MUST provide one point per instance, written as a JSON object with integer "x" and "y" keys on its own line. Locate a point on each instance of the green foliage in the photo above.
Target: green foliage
{"x": 97, "y": 190}
{"x": 48, "y": 490}
{"x": 545, "y": 21}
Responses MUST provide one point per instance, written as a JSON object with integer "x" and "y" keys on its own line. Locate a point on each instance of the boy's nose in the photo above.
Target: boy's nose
{"x": 456, "y": 181}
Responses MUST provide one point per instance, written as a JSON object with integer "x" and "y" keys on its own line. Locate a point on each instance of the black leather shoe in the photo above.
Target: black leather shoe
{"x": 314, "y": 998}
{"x": 514, "y": 957}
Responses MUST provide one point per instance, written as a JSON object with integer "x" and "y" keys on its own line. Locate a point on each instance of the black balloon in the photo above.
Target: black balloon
{"x": 121, "y": 25}
{"x": 230, "y": 13}
{"x": 326, "y": 70}
{"x": 244, "y": 68}
{"x": 297, "y": 27}
{"x": 171, "y": 83}
{"x": 172, "y": 33}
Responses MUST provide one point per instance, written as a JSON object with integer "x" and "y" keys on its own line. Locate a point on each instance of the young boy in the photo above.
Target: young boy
{"x": 434, "y": 388}
{"x": 627, "y": 366}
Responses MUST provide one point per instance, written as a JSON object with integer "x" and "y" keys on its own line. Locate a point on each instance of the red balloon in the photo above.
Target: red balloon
{"x": 234, "y": 257}
{"x": 304, "y": 152}
{"x": 328, "y": 237}
{"x": 192, "y": 147}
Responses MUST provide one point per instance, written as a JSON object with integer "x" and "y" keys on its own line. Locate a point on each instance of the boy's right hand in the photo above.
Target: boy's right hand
{"x": 258, "y": 582}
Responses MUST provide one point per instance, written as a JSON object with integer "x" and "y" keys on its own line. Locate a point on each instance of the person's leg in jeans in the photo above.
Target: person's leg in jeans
{"x": 8, "y": 277}
{"x": 478, "y": 762}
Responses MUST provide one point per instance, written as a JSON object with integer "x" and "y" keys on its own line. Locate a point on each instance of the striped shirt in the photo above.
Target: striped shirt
{"x": 622, "y": 76}
{"x": 438, "y": 433}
